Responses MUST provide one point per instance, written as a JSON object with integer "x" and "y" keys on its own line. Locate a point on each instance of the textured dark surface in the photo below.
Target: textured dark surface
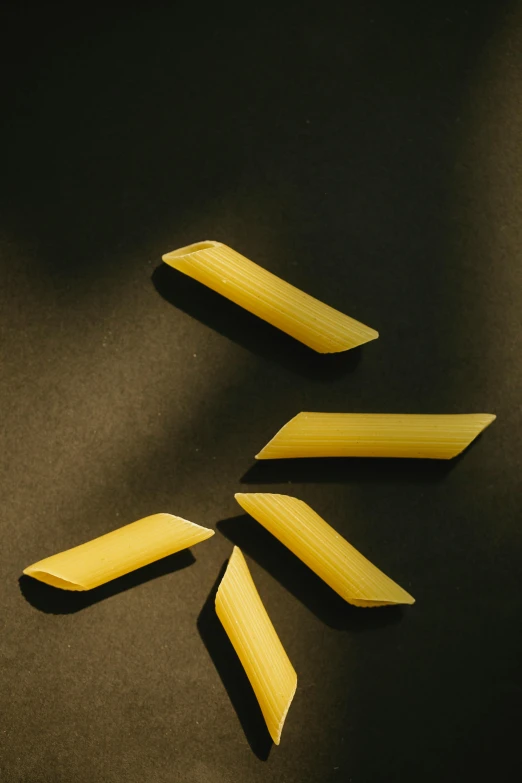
{"x": 372, "y": 157}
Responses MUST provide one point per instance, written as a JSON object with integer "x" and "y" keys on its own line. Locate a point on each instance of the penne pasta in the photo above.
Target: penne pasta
{"x": 119, "y": 552}
{"x": 250, "y": 286}
{"x": 438, "y": 436}
{"x": 323, "y": 550}
{"x": 256, "y": 643}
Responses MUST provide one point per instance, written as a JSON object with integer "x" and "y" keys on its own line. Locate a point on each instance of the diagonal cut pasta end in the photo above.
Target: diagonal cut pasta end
{"x": 118, "y": 552}
{"x": 272, "y": 449}
{"x": 371, "y": 334}
{"x": 322, "y": 549}
{"x": 256, "y": 643}
{"x": 173, "y": 258}
{"x": 44, "y": 573}
{"x": 478, "y": 423}
{"x": 364, "y": 334}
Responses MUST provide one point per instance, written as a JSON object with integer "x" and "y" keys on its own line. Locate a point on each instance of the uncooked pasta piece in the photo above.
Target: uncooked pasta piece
{"x": 250, "y": 286}
{"x": 114, "y": 554}
{"x": 323, "y": 550}
{"x": 429, "y": 436}
{"x": 256, "y": 643}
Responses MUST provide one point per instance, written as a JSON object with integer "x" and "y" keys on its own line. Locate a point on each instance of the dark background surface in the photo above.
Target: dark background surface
{"x": 371, "y": 156}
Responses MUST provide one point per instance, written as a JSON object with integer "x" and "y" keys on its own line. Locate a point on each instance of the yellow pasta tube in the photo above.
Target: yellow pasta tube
{"x": 256, "y": 643}
{"x": 427, "y": 436}
{"x": 323, "y": 550}
{"x": 115, "y": 554}
{"x": 250, "y": 286}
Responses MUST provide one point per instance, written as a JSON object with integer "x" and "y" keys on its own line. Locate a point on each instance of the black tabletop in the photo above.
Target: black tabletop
{"x": 370, "y": 156}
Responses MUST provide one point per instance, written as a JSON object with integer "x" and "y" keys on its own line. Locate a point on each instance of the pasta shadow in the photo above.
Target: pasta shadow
{"x": 249, "y": 331}
{"x": 53, "y": 600}
{"x": 346, "y": 470}
{"x": 300, "y": 580}
{"x": 233, "y": 675}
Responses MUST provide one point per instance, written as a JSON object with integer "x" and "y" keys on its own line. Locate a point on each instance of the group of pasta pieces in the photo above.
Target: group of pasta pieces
{"x": 238, "y": 604}
{"x": 290, "y": 520}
